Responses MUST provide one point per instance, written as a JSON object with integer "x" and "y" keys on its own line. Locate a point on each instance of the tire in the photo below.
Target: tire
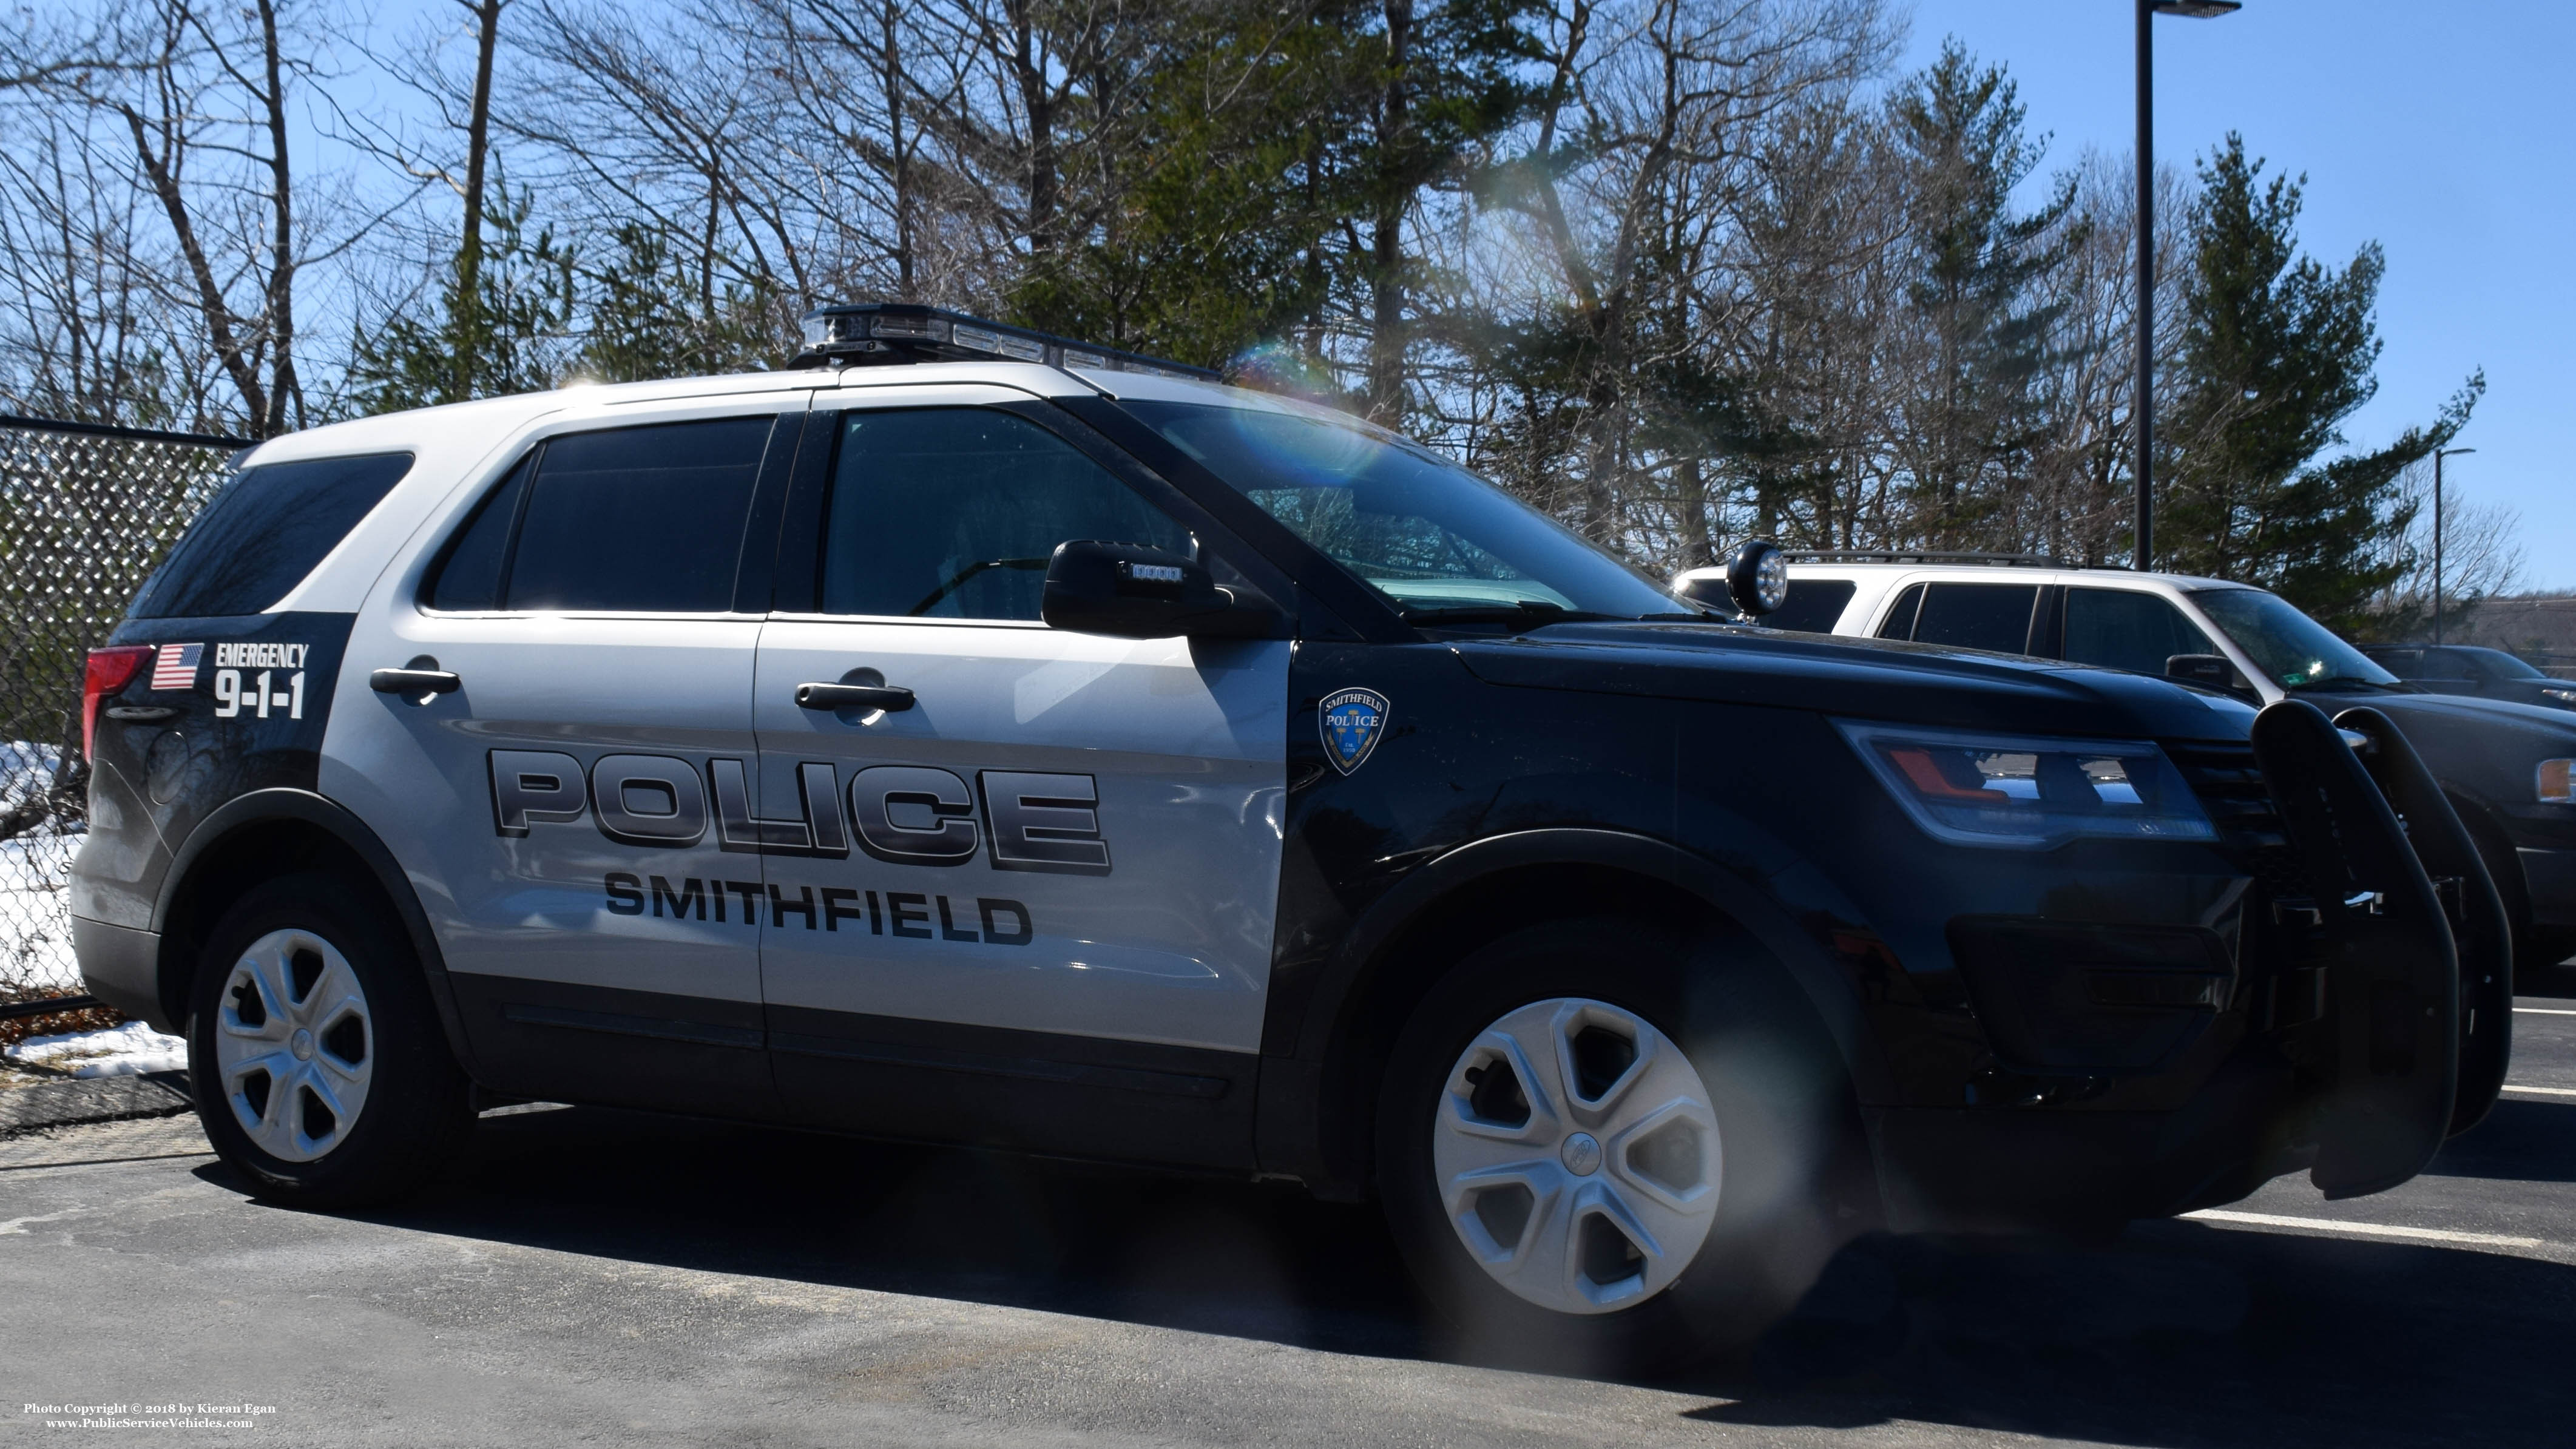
{"x": 319, "y": 1067}
{"x": 2535, "y": 949}
{"x": 1714, "y": 1120}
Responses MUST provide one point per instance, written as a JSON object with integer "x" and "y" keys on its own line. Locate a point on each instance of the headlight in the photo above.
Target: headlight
{"x": 2026, "y": 792}
{"x": 2557, "y": 787}
{"x": 2563, "y": 696}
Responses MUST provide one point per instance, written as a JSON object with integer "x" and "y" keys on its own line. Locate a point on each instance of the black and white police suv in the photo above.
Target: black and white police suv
{"x": 1034, "y": 746}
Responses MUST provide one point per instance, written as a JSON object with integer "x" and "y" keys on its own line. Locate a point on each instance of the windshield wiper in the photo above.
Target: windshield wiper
{"x": 1524, "y": 613}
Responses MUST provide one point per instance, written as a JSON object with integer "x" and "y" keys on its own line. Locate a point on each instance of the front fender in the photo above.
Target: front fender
{"x": 1767, "y": 920}
{"x": 1315, "y": 1093}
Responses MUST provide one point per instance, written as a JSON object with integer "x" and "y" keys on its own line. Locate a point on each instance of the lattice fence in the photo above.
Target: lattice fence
{"x": 86, "y": 513}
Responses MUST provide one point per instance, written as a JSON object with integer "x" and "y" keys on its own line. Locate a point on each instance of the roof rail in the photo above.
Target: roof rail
{"x": 876, "y": 334}
{"x": 1906, "y": 556}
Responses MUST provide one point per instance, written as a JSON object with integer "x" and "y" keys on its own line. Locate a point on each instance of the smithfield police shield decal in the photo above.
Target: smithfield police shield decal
{"x": 1352, "y": 720}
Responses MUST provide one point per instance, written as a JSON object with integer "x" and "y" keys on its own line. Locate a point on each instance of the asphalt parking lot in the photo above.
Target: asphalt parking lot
{"x": 601, "y": 1277}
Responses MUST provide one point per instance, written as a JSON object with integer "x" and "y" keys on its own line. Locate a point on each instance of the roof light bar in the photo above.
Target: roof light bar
{"x": 880, "y": 333}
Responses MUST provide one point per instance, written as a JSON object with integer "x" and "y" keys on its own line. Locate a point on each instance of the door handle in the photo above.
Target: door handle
{"x": 888, "y": 697}
{"x": 417, "y": 681}
{"x": 414, "y": 681}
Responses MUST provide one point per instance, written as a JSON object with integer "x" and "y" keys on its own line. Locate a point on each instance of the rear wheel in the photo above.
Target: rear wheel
{"x": 1605, "y": 1147}
{"x": 319, "y": 1068}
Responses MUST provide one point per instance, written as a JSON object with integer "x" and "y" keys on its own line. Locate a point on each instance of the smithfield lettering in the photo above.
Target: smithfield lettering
{"x": 995, "y": 921}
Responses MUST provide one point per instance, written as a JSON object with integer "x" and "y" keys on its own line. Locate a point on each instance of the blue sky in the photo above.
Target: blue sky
{"x": 2439, "y": 128}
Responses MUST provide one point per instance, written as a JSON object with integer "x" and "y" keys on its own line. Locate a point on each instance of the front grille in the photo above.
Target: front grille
{"x": 2230, "y": 786}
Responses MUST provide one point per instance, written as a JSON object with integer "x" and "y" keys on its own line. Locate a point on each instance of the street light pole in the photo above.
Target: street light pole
{"x": 2148, "y": 10}
{"x": 2438, "y": 455}
{"x": 2146, "y": 408}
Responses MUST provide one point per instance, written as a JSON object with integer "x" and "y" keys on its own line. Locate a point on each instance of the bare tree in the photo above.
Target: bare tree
{"x": 82, "y": 338}
{"x": 197, "y": 101}
{"x": 2482, "y": 556}
{"x": 1636, "y": 169}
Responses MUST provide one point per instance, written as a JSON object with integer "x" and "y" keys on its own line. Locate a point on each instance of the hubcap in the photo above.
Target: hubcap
{"x": 1577, "y": 1155}
{"x": 294, "y": 1045}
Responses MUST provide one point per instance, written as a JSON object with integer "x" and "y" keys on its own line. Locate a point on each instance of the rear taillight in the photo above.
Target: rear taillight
{"x": 108, "y": 671}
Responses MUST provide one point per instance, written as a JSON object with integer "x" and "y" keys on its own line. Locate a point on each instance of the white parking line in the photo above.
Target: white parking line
{"x": 2543, "y": 1091}
{"x": 2367, "y": 1230}
{"x": 2543, "y": 1011}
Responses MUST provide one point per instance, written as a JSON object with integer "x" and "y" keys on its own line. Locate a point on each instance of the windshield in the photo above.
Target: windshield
{"x": 2295, "y": 650}
{"x": 1437, "y": 540}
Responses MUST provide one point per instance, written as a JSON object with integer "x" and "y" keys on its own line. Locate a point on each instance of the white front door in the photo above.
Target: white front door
{"x": 1065, "y": 833}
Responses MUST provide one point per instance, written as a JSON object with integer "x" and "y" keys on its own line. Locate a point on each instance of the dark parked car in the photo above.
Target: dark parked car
{"x": 2469, "y": 669}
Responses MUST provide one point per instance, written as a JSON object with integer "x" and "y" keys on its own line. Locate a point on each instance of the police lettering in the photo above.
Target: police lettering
{"x": 898, "y": 814}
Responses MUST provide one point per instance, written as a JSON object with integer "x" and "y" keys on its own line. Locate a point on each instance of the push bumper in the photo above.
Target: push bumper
{"x": 2373, "y": 1014}
{"x": 2389, "y": 1050}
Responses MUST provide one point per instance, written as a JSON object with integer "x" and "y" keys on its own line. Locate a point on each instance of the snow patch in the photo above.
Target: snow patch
{"x": 35, "y": 876}
{"x": 119, "y": 1051}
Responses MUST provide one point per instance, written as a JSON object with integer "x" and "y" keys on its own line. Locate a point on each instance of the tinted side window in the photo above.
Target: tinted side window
{"x": 1812, "y": 605}
{"x": 1899, "y": 623}
{"x": 264, "y": 532}
{"x": 2404, "y": 663}
{"x": 953, "y": 512}
{"x": 641, "y": 520}
{"x": 1978, "y": 616}
{"x": 2120, "y": 629}
{"x": 2444, "y": 664}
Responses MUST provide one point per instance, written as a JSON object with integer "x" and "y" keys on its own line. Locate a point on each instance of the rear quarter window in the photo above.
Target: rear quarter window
{"x": 264, "y": 532}
{"x": 1813, "y": 606}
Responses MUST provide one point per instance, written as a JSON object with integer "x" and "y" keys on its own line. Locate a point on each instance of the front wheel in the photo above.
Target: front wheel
{"x": 1606, "y": 1147}
{"x": 315, "y": 1052}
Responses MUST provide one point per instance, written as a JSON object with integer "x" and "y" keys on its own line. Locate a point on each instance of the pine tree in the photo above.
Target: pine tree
{"x": 1981, "y": 310}
{"x": 2278, "y": 350}
{"x": 1272, "y": 175}
{"x": 510, "y": 340}
{"x": 649, "y": 316}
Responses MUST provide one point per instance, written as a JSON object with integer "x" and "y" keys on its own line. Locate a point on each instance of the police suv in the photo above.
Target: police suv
{"x": 975, "y": 736}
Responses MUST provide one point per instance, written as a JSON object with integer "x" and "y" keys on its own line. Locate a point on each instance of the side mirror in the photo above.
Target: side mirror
{"x": 1132, "y": 592}
{"x": 2208, "y": 670}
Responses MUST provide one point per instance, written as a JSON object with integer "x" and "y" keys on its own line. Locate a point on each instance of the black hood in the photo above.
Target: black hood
{"x": 1855, "y": 678}
{"x": 2543, "y": 724}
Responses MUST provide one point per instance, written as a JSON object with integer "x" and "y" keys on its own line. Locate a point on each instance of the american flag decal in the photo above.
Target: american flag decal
{"x": 174, "y": 666}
